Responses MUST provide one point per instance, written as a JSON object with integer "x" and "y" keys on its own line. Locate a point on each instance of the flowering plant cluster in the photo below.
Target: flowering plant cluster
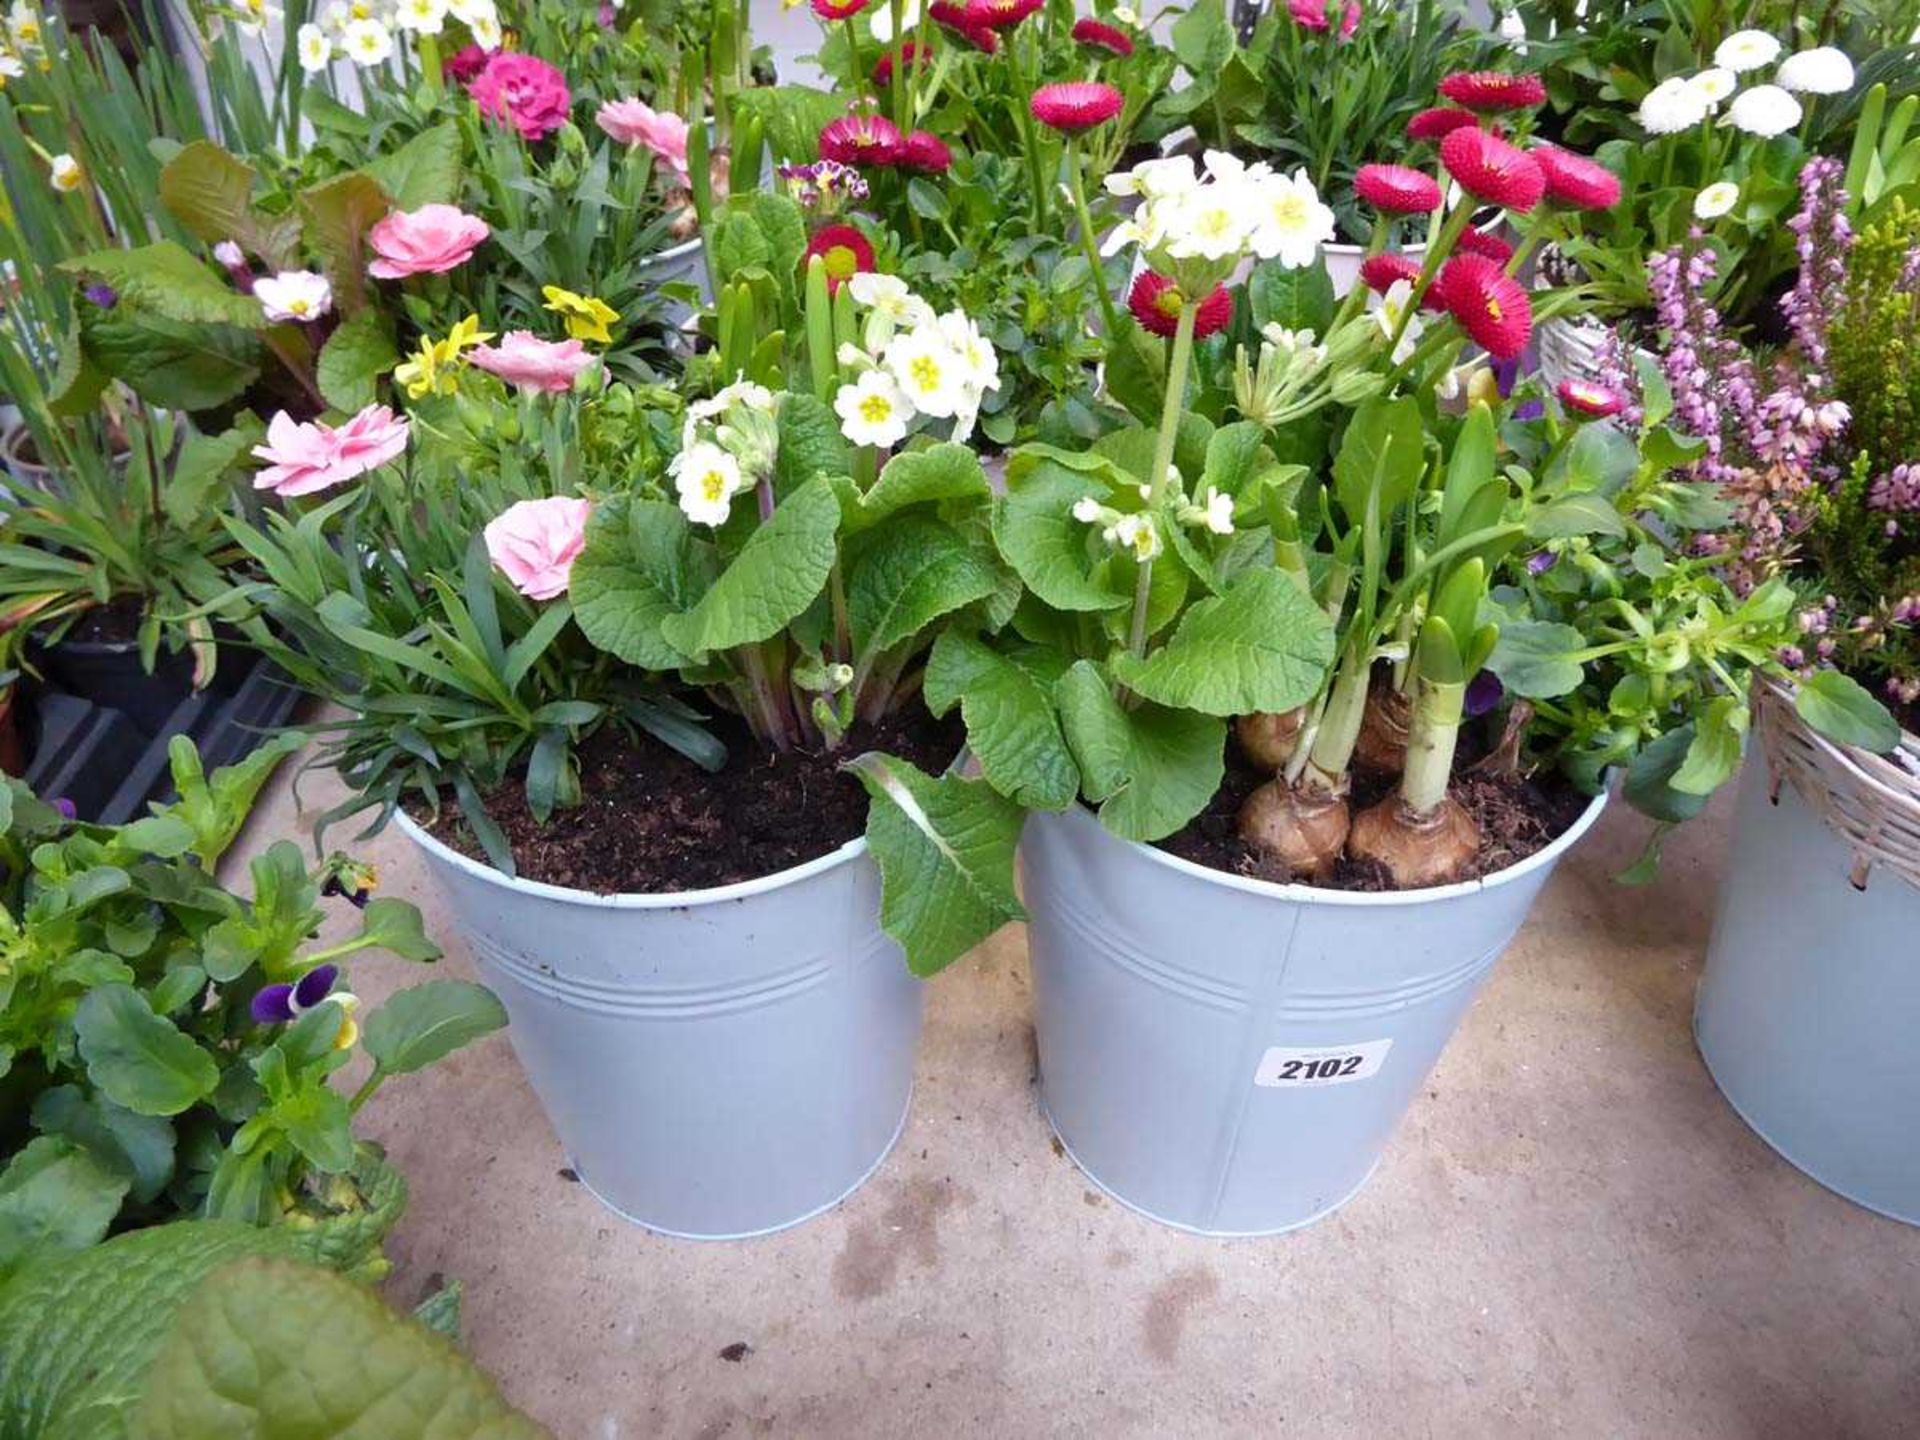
{"x": 168, "y": 1041}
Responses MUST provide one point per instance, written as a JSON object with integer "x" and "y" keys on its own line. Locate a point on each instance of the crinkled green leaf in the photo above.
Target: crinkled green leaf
{"x": 1150, "y": 769}
{"x": 1037, "y": 534}
{"x": 636, "y": 570}
{"x": 424, "y": 171}
{"x": 55, "y": 1196}
{"x": 777, "y": 574}
{"x": 945, "y": 848}
{"x": 1262, "y": 646}
{"x": 942, "y": 474}
{"x": 165, "y": 279}
{"x": 354, "y": 358}
{"x": 914, "y": 572}
{"x": 810, "y": 444}
{"x": 1012, "y": 727}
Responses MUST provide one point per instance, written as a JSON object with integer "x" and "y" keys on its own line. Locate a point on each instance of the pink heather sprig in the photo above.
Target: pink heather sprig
{"x": 1823, "y": 238}
{"x": 1896, "y": 493}
{"x": 1614, "y": 369}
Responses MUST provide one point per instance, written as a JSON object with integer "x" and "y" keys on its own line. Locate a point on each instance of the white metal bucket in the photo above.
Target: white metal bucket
{"x": 718, "y": 1063}
{"x": 1809, "y": 1008}
{"x": 1230, "y": 1056}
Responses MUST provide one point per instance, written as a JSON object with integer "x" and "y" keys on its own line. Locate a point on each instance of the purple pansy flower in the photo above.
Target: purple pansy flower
{"x": 1540, "y": 562}
{"x": 279, "y": 1004}
{"x": 1484, "y": 692}
{"x": 105, "y": 296}
{"x": 68, "y": 810}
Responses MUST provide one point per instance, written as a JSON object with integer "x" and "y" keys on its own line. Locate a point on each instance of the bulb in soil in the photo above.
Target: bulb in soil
{"x": 1301, "y": 827}
{"x": 1269, "y": 740}
{"x": 1416, "y": 850}
{"x": 1383, "y": 731}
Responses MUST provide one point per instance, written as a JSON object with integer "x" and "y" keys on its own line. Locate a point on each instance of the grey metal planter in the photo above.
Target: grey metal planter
{"x": 1808, "y": 1015}
{"x": 1229, "y": 1056}
{"x": 718, "y": 1063}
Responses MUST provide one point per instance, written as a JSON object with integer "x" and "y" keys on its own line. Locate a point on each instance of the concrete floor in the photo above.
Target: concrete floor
{"x": 1571, "y": 1234}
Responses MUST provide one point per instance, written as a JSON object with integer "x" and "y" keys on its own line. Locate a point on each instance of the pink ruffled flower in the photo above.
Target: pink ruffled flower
{"x": 535, "y": 542}
{"x": 1312, "y": 15}
{"x": 305, "y": 457}
{"x": 524, "y": 359}
{"x": 523, "y": 91}
{"x": 634, "y": 122}
{"x": 429, "y": 241}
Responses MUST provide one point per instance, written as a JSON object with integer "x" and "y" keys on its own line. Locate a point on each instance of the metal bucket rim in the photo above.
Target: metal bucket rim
{"x": 1293, "y": 894}
{"x": 673, "y": 252}
{"x": 853, "y": 850}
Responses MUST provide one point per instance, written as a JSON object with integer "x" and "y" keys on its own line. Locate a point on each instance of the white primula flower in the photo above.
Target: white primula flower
{"x": 367, "y": 42}
{"x": 883, "y": 20}
{"x": 1673, "y": 105}
{"x": 474, "y": 12}
{"x": 314, "y": 48}
{"x": 1822, "y": 70}
{"x": 1716, "y": 200}
{"x": 65, "y": 174}
{"x": 1290, "y": 221}
{"x": 1089, "y": 511}
{"x": 294, "y": 295}
{"x": 486, "y": 32}
{"x": 1388, "y": 310}
{"x": 1212, "y": 511}
{"x": 11, "y": 68}
{"x": 927, "y": 369}
{"x": 1764, "y": 110}
{"x": 982, "y": 361}
{"x": 421, "y": 17}
{"x": 1214, "y": 222}
{"x": 1746, "y": 50}
{"x": 25, "y": 27}
{"x": 1155, "y": 179}
{"x": 1137, "y": 533}
{"x": 1715, "y": 84}
{"x": 891, "y": 306}
{"x": 252, "y": 15}
{"x": 740, "y": 392}
{"x": 872, "y": 410}
{"x": 1513, "y": 30}
{"x": 707, "y": 480}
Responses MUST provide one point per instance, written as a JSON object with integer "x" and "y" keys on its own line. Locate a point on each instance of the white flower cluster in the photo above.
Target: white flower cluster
{"x": 728, "y": 444}
{"x": 1684, "y": 101}
{"x": 911, "y": 362}
{"x": 1134, "y": 530}
{"x": 1211, "y": 217}
{"x": 25, "y": 39}
{"x": 363, "y": 30}
{"x": 1289, "y": 360}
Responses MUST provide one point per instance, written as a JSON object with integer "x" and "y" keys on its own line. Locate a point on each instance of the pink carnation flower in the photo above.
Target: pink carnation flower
{"x": 523, "y": 91}
{"x": 305, "y": 457}
{"x": 524, "y": 359}
{"x": 535, "y": 542}
{"x": 634, "y": 122}
{"x": 429, "y": 241}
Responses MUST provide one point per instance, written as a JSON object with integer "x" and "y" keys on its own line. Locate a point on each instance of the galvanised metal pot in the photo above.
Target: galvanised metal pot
{"x": 1809, "y": 1008}
{"x": 718, "y": 1063}
{"x": 1230, "y": 1056}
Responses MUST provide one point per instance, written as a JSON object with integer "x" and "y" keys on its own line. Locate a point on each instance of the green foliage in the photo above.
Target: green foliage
{"x": 145, "y": 1085}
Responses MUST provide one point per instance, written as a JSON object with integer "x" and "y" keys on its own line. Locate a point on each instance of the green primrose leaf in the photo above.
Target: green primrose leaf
{"x": 1260, "y": 647}
{"x": 776, "y": 575}
{"x": 1150, "y": 769}
{"x": 915, "y": 571}
{"x": 637, "y": 570}
{"x": 1537, "y": 659}
{"x": 1012, "y": 727}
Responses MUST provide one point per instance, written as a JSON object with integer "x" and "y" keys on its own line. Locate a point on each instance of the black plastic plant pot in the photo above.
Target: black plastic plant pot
{"x": 109, "y": 674}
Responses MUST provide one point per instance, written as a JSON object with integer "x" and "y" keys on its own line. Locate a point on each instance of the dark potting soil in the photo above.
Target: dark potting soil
{"x": 651, "y": 821}
{"x": 115, "y": 623}
{"x": 1518, "y": 816}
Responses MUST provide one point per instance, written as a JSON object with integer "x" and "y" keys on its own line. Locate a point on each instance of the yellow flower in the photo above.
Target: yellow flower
{"x": 586, "y": 316}
{"x": 432, "y": 370}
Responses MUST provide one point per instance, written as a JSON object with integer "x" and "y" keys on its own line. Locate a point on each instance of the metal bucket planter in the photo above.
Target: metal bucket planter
{"x": 1230, "y": 1056}
{"x": 718, "y": 1063}
{"x": 1809, "y": 1006}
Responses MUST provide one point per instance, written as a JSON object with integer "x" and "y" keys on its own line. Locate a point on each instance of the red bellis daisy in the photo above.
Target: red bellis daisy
{"x": 1489, "y": 304}
{"x": 917, "y": 57}
{"x": 839, "y": 9}
{"x": 1002, "y": 14}
{"x": 1490, "y": 169}
{"x": 1490, "y": 91}
{"x": 862, "y": 140}
{"x": 1076, "y": 105}
{"x": 1482, "y": 242}
{"x": 845, "y": 252}
{"x": 1438, "y": 123}
{"x": 1098, "y": 35}
{"x": 1397, "y": 189}
{"x": 1156, "y": 303}
{"x": 1596, "y": 402}
{"x": 962, "y": 22}
{"x": 1575, "y": 181}
{"x": 1380, "y": 273}
{"x": 926, "y": 151}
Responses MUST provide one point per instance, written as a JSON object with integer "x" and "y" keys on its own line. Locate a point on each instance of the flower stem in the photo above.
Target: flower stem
{"x": 1170, "y": 412}
{"x": 860, "y": 75}
{"x": 899, "y": 42}
{"x": 1077, "y": 181}
{"x": 1432, "y": 734}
